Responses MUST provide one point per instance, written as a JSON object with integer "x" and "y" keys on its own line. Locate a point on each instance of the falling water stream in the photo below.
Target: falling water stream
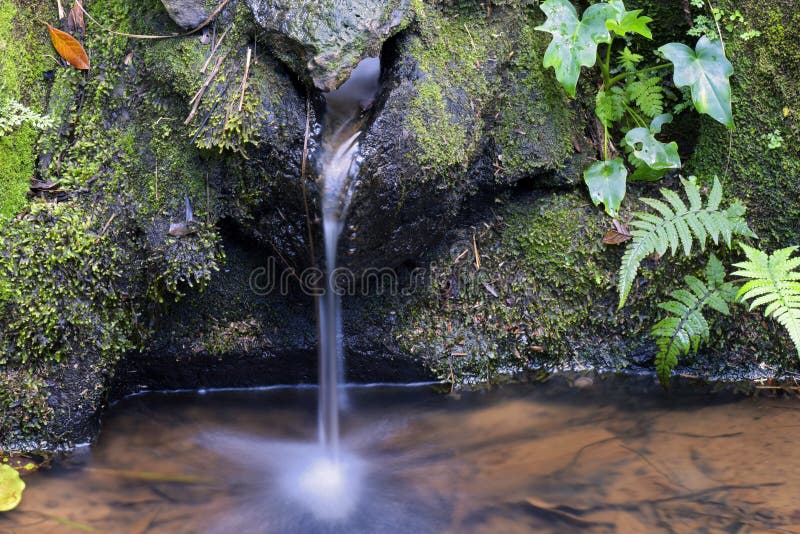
{"x": 343, "y": 121}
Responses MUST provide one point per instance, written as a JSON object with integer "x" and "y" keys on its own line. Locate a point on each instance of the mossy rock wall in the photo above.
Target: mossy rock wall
{"x": 466, "y": 109}
{"x": 766, "y": 89}
{"x": 465, "y": 112}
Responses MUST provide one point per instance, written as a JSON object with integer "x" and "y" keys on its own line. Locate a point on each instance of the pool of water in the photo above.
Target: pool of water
{"x": 608, "y": 455}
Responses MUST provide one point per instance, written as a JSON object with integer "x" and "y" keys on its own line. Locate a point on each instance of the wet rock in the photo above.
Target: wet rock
{"x": 466, "y": 110}
{"x": 322, "y": 41}
{"x": 187, "y": 13}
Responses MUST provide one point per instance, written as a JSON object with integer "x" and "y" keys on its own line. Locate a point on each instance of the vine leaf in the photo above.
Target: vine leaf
{"x": 69, "y": 48}
{"x": 676, "y": 226}
{"x": 575, "y": 40}
{"x": 648, "y": 151}
{"x": 11, "y": 488}
{"x": 606, "y": 181}
{"x": 685, "y": 328}
{"x": 774, "y": 282}
{"x": 624, "y": 21}
{"x": 706, "y": 71}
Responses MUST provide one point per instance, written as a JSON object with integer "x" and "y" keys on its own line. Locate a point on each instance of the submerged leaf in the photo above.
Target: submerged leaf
{"x": 606, "y": 181}
{"x": 707, "y": 71}
{"x": 11, "y": 488}
{"x": 69, "y": 48}
{"x": 575, "y": 40}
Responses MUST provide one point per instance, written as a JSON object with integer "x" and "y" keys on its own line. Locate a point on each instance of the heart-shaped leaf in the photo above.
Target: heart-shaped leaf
{"x": 11, "y": 488}
{"x": 624, "y": 21}
{"x": 655, "y": 154}
{"x": 707, "y": 71}
{"x": 69, "y": 48}
{"x": 606, "y": 181}
{"x": 651, "y": 157}
{"x": 575, "y": 40}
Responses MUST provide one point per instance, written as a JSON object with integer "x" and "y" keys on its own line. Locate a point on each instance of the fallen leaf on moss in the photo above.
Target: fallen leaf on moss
{"x": 11, "y": 488}
{"x": 69, "y": 48}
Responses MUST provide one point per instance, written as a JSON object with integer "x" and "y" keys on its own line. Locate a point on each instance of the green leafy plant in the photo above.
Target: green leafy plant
{"x": 774, "y": 283}
{"x": 14, "y": 114}
{"x": 685, "y": 327}
{"x": 630, "y": 95}
{"x": 677, "y": 226}
{"x": 719, "y": 19}
{"x": 773, "y": 280}
{"x": 774, "y": 139}
{"x": 706, "y": 71}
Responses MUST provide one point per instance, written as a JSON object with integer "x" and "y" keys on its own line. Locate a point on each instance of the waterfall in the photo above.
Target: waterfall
{"x": 343, "y": 122}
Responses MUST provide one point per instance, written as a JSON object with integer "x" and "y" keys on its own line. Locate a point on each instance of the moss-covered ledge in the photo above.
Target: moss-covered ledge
{"x": 541, "y": 292}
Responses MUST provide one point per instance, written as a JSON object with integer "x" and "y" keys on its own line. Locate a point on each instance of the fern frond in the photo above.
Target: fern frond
{"x": 676, "y": 225}
{"x": 774, "y": 283}
{"x": 647, "y": 94}
{"x": 609, "y": 106}
{"x": 628, "y": 60}
{"x": 685, "y": 328}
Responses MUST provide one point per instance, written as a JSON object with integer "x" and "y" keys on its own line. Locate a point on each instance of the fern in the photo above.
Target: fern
{"x": 774, "y": 282}
{"x": 647, "y": 94}
{"x": 609, "y": 106}
{"x": 14, "y": 114}
{"x": 677, "y": 226}
{"x": 628, "y": 60}
{"x": 682, "y": 331}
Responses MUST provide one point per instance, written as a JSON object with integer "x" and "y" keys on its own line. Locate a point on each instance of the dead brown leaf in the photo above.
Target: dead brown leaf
{"x": 618, "y": 235}
{"x": 69, "y": 48}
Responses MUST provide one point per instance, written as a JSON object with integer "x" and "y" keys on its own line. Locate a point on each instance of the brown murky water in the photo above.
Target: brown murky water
{"x": 617, "y": 456}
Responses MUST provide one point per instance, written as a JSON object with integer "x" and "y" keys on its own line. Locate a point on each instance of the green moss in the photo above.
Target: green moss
{"x": 63, "y": 293}
{"x": 766, "y": 89}
{"x": 443, "y": 142}
{"x": 480, "y": 74}
{"x": 185, "y": 261}
{"x": 534, "y": 125}
{"x": 16, "y": 169}
{"x": 23, "y": 403}
{"x": 23, "y": 59}
{"x": 24, "y": 51}
{"x": 451, "y": 51}
{"x": 543, "y": 277}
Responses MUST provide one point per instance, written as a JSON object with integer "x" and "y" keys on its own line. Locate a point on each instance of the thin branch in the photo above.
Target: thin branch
{"x": 213, "y": 51}
{"x": 244, "y": 78}
{"x": 198, "y": 97}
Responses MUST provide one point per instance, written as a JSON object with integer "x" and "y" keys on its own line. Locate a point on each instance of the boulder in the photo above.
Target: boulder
{"x": 187, "y": 13}
{"x": 323, "y": 40}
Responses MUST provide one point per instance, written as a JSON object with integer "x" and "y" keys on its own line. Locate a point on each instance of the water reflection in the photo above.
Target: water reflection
{"x": 613, "y": 457}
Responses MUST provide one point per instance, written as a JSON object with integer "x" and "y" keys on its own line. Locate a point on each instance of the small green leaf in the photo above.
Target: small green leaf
{"x": 658, "y": 122}
{"x": 11, "y": 488}
{"x": 623, "y": 21}
{"x": 575, "y": 40}
{"x": 707, "y": 71}
{"x": 606, "y": 181}
{"x": 655, "y": 154}
{"x": 628, "y": 60}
